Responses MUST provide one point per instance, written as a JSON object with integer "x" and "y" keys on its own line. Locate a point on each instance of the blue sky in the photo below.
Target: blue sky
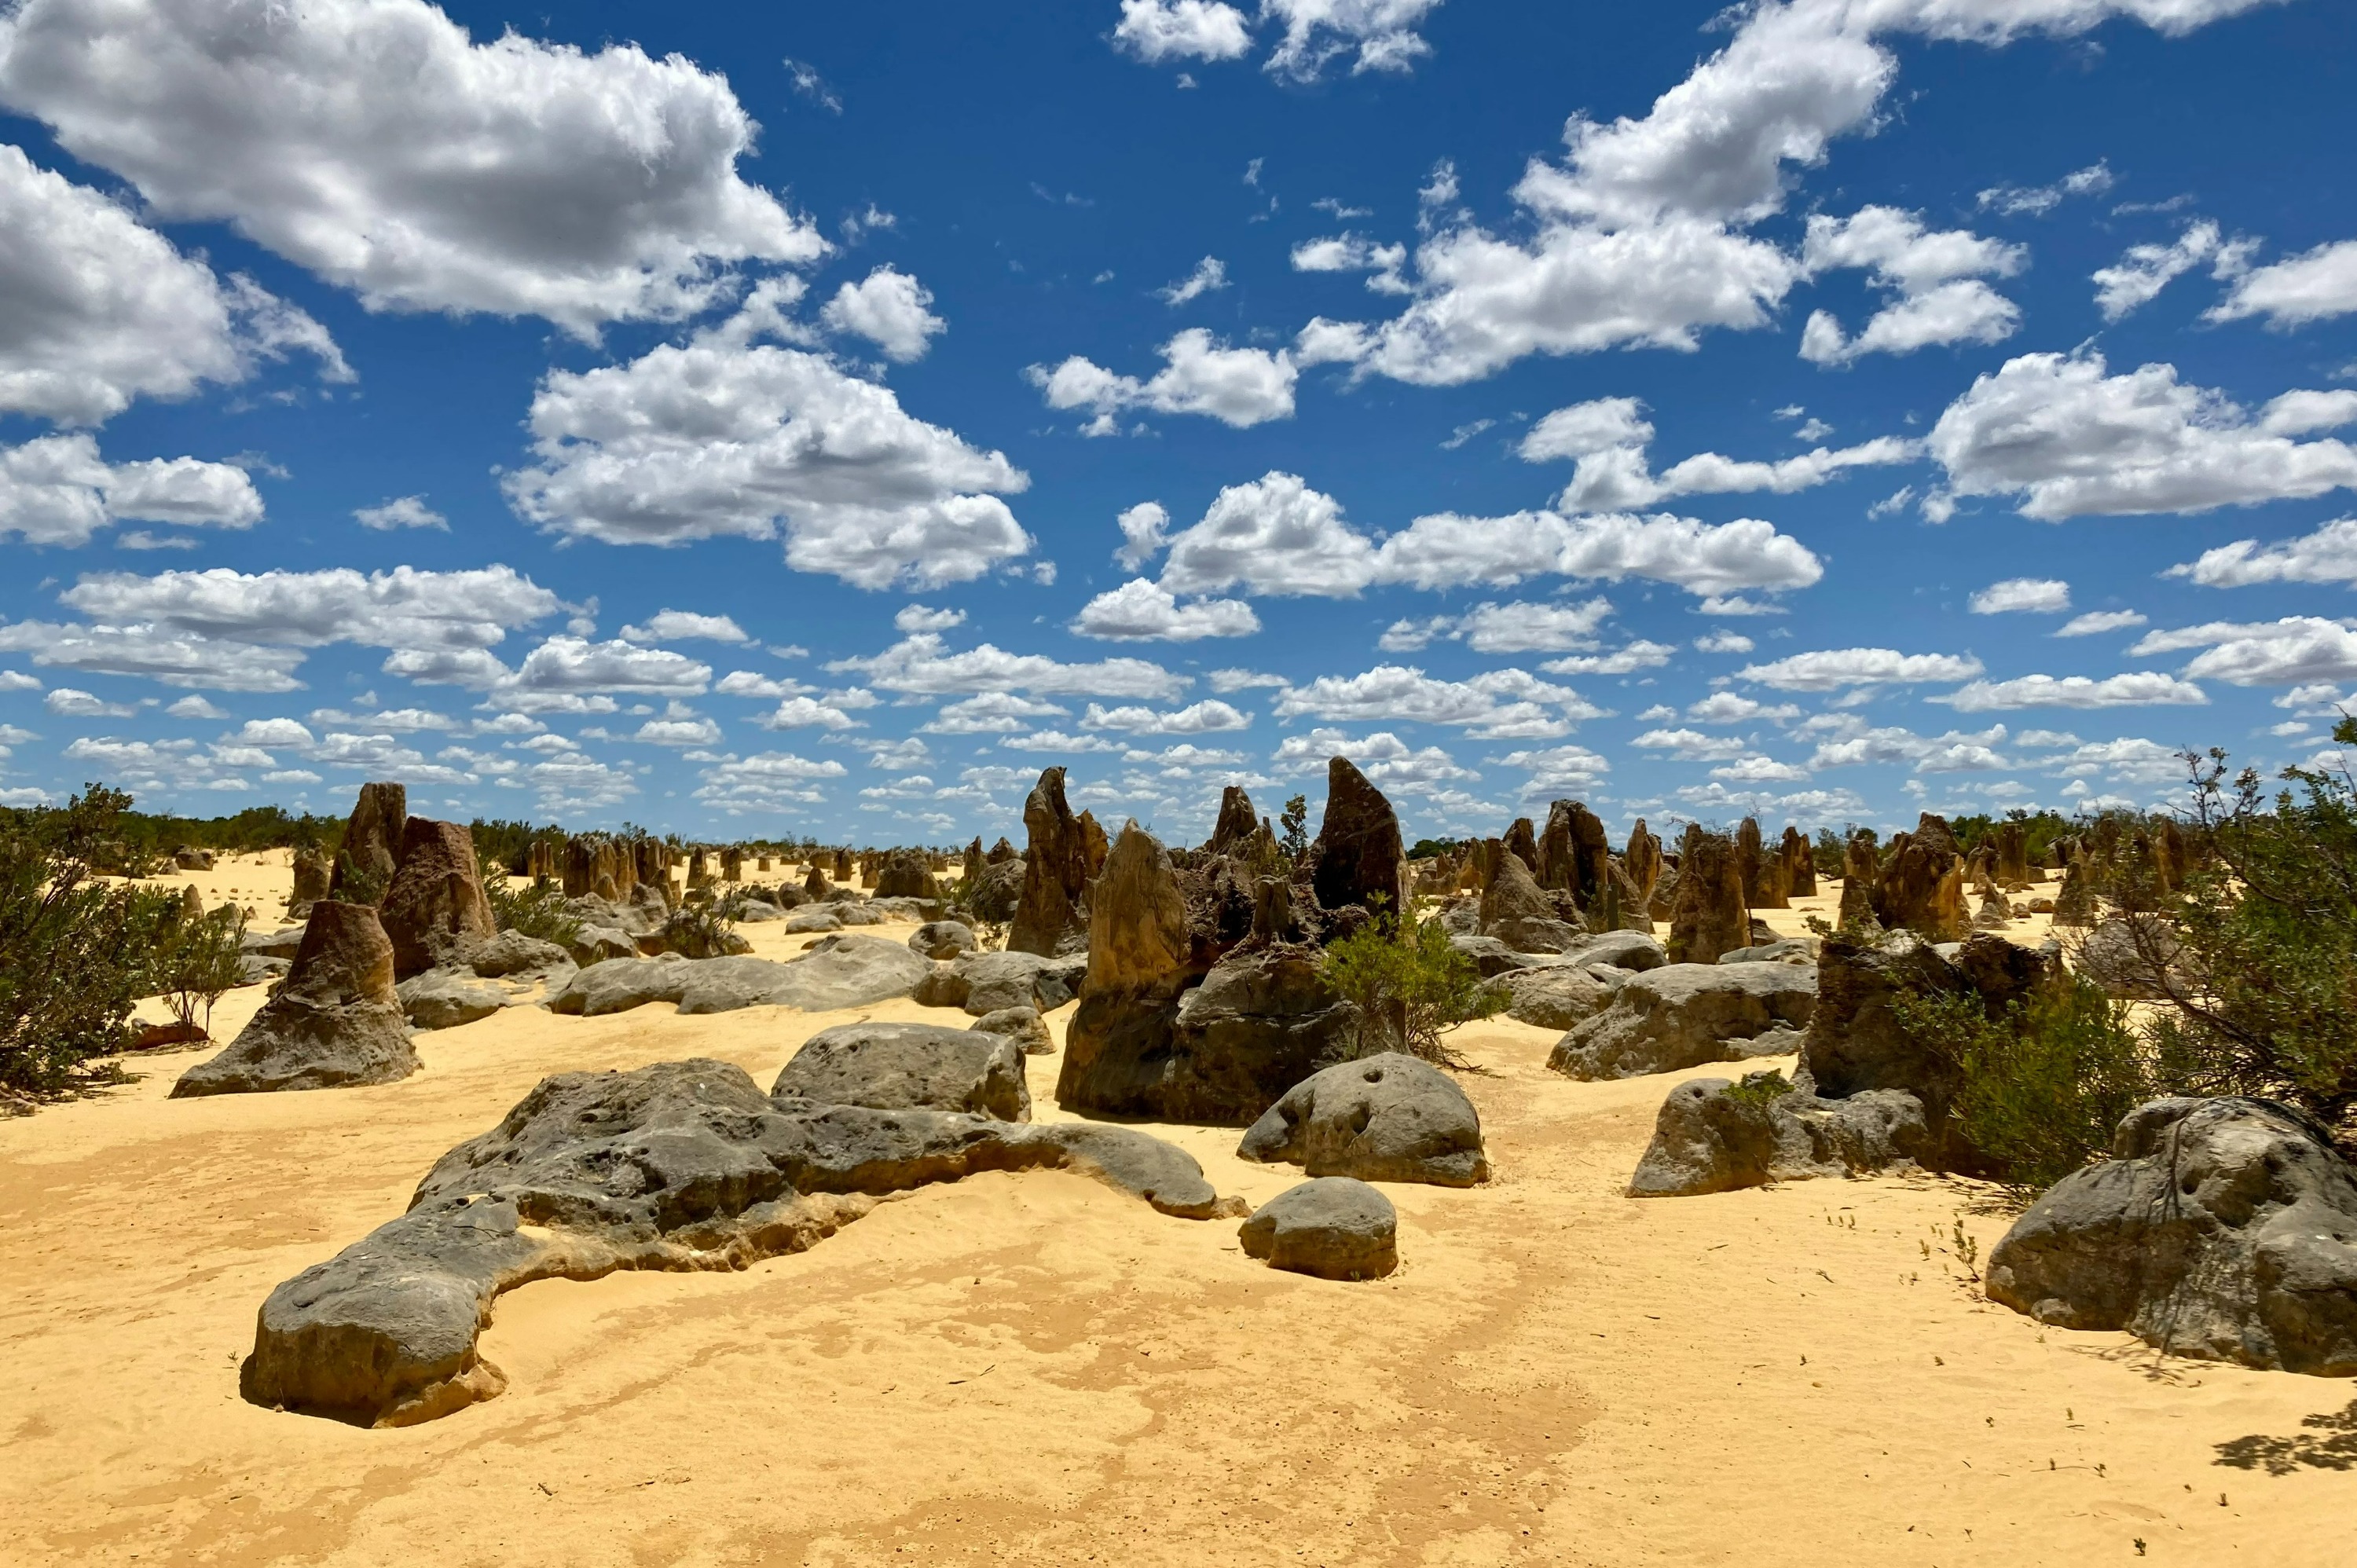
{"x": 771, "y": 421}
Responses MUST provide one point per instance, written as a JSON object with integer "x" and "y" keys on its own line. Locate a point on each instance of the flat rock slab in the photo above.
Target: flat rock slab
{"x": 444, "y": 999}
{"x": 1554, "y": 996}
{"x": 1381, "y": 1118}
{"x": 842, "y": 972}
{"x": 909, "y": 1066}
{"x": 678, "y": 1166}
{"x": 620, "y": 985}
{"x": 1335, "y": 1228}
{"x": 2223, "y": 1230}
{"x": 1689, "y": 1015}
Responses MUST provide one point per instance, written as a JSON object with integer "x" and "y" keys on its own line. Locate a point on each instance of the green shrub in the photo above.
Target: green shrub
{"x": 72, "y": 953}
{"x": 192, "y": 961}
{"x": 700, "y": 928}
{"x": 536, "y": 911}
{"x": 2042, "y": 1088}
{"x": 1760, "y": 1088}
{"x": 1407, "y": 992}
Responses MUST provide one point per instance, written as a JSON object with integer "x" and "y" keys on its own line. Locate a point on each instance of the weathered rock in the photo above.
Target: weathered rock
{"x": 1687, "y": 1014}
{"x": 597, "y": 944}
{"x": 1712, "y": 1135}
{"x": 1380, "y": 1118}
{"x": 907, "y": 874}
{"x": 994, "y": 980}
{"x": 1632, "y": 951}
{"x": 1023, "y": 1025}
{"x": 1558, "y": 996}
{"x": 1491, "y": 956}
{"x": 1237, "y": 822}
{"x": 2111, "y": 956}
{"x": 371, "y": 842}
{"x": 814, "y": 918}
{"x": 435, "y": 909}
{"x": 2013, "y": 854}
{"x": 512, "y": 955}
{"x": 1709, "y": 917}
{"x": 2074, "y": 903}
{"x": 1517, "y": 911}
{"x": 444, "y": 999}
{"x": 1095, "y": 846}
{"x": 1334, "y": 1227}
{"x": 620, "y": 985}
{"x": 1643, "y": 861}
{"x": 1799, "y": 865}
{"x": 941, "y": 940}
{"x": 1784, "y": 950}
{"x": 1051, "y": 917}
{"x": 192, "y": 859}
{"x": 1357, "y": 857}
{"x": 998, "y": 890}
{"x": 2220, "y": 1230}
{"x": 679, "y": 1165}
{"x": 335, "y": 1022}
{"x": 1922, "y": 885}
{"x": 314, "y": 873}
{"x": 284, "y": 942}
{"x": 909, "y": 1066}
{"x": 850, "y": 972}
{"x": 1763, "y": 869}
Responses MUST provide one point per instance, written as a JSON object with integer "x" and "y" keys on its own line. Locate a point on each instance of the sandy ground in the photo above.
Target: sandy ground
{"x": 1034, "y": 1368}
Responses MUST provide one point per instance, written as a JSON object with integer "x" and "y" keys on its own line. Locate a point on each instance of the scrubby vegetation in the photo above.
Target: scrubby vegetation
{"x": 73, "y": 952}
{"x": 1408, "y": 990}
{"x": 535, "y": 909}
{"x": 134, "y": 844}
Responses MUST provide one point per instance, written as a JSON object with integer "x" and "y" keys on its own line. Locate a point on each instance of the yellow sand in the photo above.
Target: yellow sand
{"x": 1034, "y": 1368}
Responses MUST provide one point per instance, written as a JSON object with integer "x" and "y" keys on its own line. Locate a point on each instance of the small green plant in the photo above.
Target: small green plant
{"x": 700, "y": 928}
{"x": 193, "y": 959}
{"x": 358, "y": 884}
{"x": 72, "y": 953}
{"x": 1760, "y": 1088}
{"x": 1408, "y": 992}
{"x": 1293, "y": 829}
{"x": 2041, "y": 1089}
{"x": 536, "y": 911}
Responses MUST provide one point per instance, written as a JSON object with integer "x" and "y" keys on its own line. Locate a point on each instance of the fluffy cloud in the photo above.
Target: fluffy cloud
{"x": 1349, "y": 252}
{"x": 1382, "y": 757}
{"x": 2308, "y": 287}
{"x": 1446, "y": 550}
{"x": 889, "y": 308}
{"x": 2298, "y": 648}
{"x": 1497, "y": 704}
{"x": 921, "y": 665}
{"x": 2098, "y": 621}
{"x": 1144, "y": 530}
{"x": 2071, "y": 440}
{"x": 1935, "y": 276}
{"x": 993, "y": 712}
{"x": 1238, "y": 387}
{"x": 1833, "y": 669}
{"x": 2131, "y": 760}
{"x": 2144, "y": 689}
{"x": 725, "y": 435}
{"x": 1953, "y": 752}
{"x": 56, "y": 489}
{"x": 1160, "y": 30}
{"x": 1558, "y": 769}
{"x": 403, "y": 609}
{"x": 404, "y": 511}
{"x": 70, "y": 703}
{"x": 1140, "y": 611}
{"x": 1606, "y": 439}
{"x": 1732, "y": 708}
{"x": 1378, "y": 35}
{"x": 172, "y": 658}
{"x": 1210, "y": 717}
{"x": 1638, "y": 235}
{"x": 771, "y": 781}
{"x": 1275, "y": 535}
{"x": 96, "y": 309}
{"x": 381, "y": 147}
{"x": 2039, "y": 596}
{"x": 684, "y": 626}
{"x": 2328, "y": 555}
{"x": 1624, "y": 660}
{"x": 808, "y": 713}
{"x": 1210, "y": 274}
{"x": 1691, "y": 745}
{"x": 570, "y": 664}
{"x": 2144, "y": 271}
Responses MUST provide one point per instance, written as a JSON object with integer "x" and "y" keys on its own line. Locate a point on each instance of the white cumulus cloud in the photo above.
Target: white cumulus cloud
{"x": 57, "y": 489}
{"x": 1140, "y": 611}
{"x": 2039, "y": 596}
{"x": 2311, "y": 286}
{"x": 2143, "y": 688}
{"x": 889, "y": 308}
{"x": 1238, "y": 387}
{"x": 1833, "y": 669}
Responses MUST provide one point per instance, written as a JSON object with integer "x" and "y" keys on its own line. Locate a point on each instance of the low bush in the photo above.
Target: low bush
{"x": 1408, "y": 992}
{"x": 193, "y": 959}
{"x": 73, "y": 952}
{"x": 536, "y": 910}
{"x": 2042, "y": 1087}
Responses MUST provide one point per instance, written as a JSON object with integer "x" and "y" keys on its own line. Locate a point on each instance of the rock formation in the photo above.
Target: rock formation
{"x": 2013, "y": 855}
{"x": 314, "y": 873}
{"x": 1333, "y": 1227}
{"x": 1519, "y": 913}
{"x": 1236, "y": 822}
{"x": 1522, "y": 841}
{"x": 334, "y": 1022}
{"x": 1687, "y": 1014}
{"x": 942, "y": 939}
{"x": 435, "y": 909}
{"x": 1799, "y": 865}
{"x": 1713, "y": 1135}
{"x": 909, "y": 1066}
{"x": 371, "y": 842}
{"x": 1051, "y": 917}
{"x": 1643, "y": 861}
{"x": 2220, "y": 1230}
{"x": 907, "y": 875}
{"x": 1763, "y": 869}
{"x": 1922, "y": 885}
{"x": 1709, "y": 917}
{"x": 1380, "y": 1118}
{"x": 1357, "y": 857}
{"x": 719, "y": 1175}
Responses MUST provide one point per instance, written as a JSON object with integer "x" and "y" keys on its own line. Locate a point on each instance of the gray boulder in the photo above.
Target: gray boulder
{"x": 1334, "y": 1227}
{"x": 1491, "y": 956}
{"x": 1712, "y": 1135}
{"x": 446, "y": 998}
{"x": 909, "y": 1066}
{"x": 620, "y": 985}
{"x": 1687, "y": 1015}
{"x": 272, "y": 944}
{"x": 849, "y": 971}
{"x": 731, "y": 983}
{"x": 814, "y": 918}
{"x": 335, "y": 1022}
{"x": 757, "y": 911}
{"x": 1797, "y": 951}
{"x": 2220, "y": 1230}
{"x": 941, "y": 940}
{"x": 1517, "y": 911}
{"x": 600, "y": 944}
{"x": 1381, "y": 1118}
{"x": 1554, "y": 996}
{"x": 512, "y": 956}
{"x": 984, "y": 983}
{"x": 255, "y": 970}
{"x": 1023, "y": 1025}
{"x": 678, "y": 1166}
{"x": 1634, "y": 950}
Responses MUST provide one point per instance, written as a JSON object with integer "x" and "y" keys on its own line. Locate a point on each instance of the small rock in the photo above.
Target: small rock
{"x": 1023, "y": 1025}
{"x": 1382, "y": 1118}
{"x": 1687, "y": 1015}
{"x": 1334, "y": 1227}
{"x": 942, "y": 939}
{"x": 444, "y": 999}
{"x": 911, "y": 1067}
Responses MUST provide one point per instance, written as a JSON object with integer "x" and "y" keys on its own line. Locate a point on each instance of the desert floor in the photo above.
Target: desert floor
{"x": 1035, "y": 1369}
